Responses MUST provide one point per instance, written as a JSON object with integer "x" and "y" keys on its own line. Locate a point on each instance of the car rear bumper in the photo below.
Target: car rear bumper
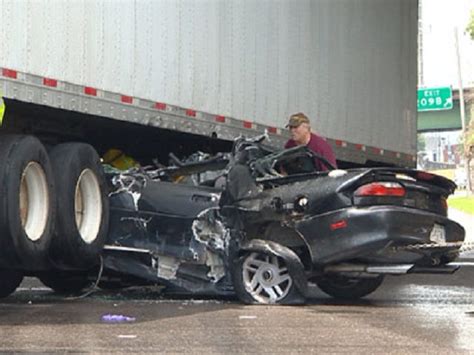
{"x": 370, "y": 232}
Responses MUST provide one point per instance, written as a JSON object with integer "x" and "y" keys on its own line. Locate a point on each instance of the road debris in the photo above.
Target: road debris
{"x": 117, "y": 318}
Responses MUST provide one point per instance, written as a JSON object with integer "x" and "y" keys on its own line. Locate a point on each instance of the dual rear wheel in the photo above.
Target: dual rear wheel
{"x": 27, "y": 204}
{"x": 82, "y": 203}
{"x": 53, "y": 210}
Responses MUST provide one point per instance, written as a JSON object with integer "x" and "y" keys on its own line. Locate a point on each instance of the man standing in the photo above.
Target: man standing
{"x": 300, "y": 130}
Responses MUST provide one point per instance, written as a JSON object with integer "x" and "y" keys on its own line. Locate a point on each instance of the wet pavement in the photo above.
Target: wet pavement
{"x": 411, "y": 314}
{"x": 408, "y": 314}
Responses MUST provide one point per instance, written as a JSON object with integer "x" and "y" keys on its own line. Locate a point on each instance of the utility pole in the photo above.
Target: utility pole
{"x": 421, "y": 78}
{"x": 461, "y": 107}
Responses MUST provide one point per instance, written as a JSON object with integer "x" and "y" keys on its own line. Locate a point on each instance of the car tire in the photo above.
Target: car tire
{"x": 83, "y": 206}
{"x": 27, "y": 204}
{"x": 9, "y": 282}
{"x": 65, "y": 283}
{"x": 261, "y": 278}
{"x": 342, "y": 287}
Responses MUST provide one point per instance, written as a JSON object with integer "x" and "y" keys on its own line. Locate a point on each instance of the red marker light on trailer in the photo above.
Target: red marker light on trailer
{"x": 160, "y": 106}
{"x": 8, "y": 73}
{"x": 190, "y": 113}
{"x": 338, "y": 225}
{"x": 90, "y": 91}
{"x": 380, "y": 189}
{"x": 50, "y": 82}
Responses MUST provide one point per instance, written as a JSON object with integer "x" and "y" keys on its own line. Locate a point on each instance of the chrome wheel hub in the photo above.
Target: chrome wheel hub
{"x": 266, "y": 278}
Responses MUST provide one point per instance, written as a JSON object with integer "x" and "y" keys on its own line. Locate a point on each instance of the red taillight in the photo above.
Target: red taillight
{"x": 380, "y": 189}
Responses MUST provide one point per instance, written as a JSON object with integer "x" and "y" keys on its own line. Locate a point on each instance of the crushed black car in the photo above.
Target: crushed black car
{"x": 262, "y": 224}
{"x": 243, "y": 226}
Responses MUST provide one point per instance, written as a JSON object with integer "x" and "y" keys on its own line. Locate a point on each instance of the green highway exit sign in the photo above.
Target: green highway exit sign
{"x": 433, "y": 99}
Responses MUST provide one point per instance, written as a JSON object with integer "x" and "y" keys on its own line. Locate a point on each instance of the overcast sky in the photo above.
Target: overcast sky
{"x": 439, "y": 18}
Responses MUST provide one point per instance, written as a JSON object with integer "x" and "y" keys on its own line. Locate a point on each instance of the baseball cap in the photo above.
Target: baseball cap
{"x": 297, "y": 119}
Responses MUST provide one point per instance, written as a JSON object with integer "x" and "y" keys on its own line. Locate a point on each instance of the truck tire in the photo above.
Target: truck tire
{"x": 27, "y": 204}
{"x": 65, "y": 283}
{"x": 9, "y": 281}
{"x": 83, "y": 206}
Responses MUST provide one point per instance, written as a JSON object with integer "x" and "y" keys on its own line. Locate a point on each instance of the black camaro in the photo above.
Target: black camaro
{"x": 235, "y": 223}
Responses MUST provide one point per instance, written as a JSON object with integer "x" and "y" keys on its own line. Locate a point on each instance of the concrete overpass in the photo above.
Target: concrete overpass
{"x": 447, "y": 120}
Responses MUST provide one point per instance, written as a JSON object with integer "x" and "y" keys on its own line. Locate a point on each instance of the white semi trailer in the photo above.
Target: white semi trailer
{"x": 81, "y": 70}
{"x": 152, "y": 77}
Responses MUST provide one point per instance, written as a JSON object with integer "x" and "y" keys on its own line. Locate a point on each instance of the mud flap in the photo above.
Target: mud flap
{"x": 295, "y": 266}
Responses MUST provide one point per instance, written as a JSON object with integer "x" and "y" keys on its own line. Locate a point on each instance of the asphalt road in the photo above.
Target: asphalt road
{"x": 408, "y": 314}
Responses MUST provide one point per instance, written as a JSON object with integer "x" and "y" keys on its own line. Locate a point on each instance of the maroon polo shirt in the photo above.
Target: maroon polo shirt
{"x": 318, "y": 145}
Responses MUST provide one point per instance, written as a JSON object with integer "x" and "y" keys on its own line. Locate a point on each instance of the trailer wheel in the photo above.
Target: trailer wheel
{"x": 27, "y": 206}
{"x": 349, "y": 288}
{"x": 9, "y": 281}
{"x": 83, "y": 208}
{"x": 65, "y": 283}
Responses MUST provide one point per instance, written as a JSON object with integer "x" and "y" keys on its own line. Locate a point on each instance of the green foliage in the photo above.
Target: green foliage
{"x": 470, "y": 138}
{"x": 421, "y": 142}
{"x": 470, "y": 25}
{"x": 465, "y": 204}
{"x": 469, "y": 141}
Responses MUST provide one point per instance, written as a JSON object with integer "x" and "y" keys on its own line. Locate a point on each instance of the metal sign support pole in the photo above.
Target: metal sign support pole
{"x": 461, "y": 104}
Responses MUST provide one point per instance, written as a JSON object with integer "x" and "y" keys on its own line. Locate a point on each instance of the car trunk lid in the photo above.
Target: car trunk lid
{"x": 401, "y": 187}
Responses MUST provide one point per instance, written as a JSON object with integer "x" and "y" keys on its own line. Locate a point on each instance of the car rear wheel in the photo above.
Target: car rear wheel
{"x": 349, "y": 288}
{"x": 83, "y": 210}
{"x": 9, "y": 281}
{"x": 261, "y": 278}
